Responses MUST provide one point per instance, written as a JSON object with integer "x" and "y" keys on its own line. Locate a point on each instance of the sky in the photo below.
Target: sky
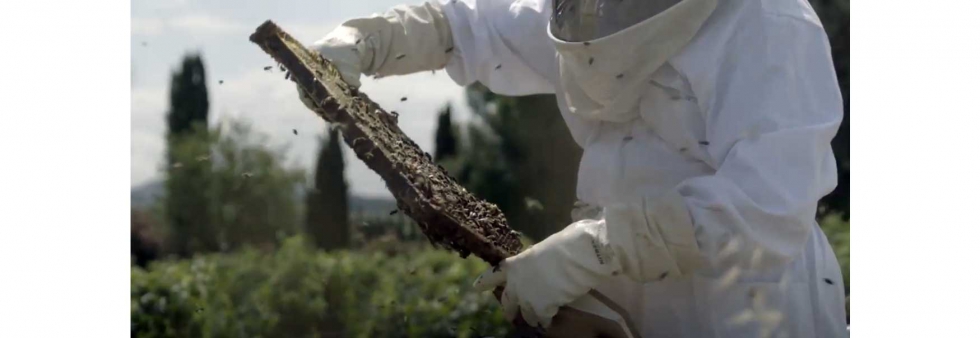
{"x": 162, "y": 31}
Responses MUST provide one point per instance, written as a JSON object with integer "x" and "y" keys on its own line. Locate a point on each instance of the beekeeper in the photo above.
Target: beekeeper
{"x": 706, "y": 129}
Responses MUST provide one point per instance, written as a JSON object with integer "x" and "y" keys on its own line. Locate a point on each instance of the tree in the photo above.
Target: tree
{"x": 144, "y": 241}
{"x": 187, "y": 207}
{"x": 520, "y": 156}
{"x": 255, "y": 196}
{"x": 445, "y": 135}
{"x": 327, "y": 218}
{"x": 188, "y": 96}
{"x": 836, "y": 18}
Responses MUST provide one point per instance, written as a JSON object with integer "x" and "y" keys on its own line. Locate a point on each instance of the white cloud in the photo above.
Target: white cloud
{"x": 200, "y": 23}
{"x": 147, "y": 26}
{"x": 147, "y": 107}
{"x": 189, "y": 23}
{"x": 308, "y": 33}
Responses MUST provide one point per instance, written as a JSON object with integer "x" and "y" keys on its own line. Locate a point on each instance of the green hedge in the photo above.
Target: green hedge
{"x": 394, "y": 290}
{"x": 300, "y": 292}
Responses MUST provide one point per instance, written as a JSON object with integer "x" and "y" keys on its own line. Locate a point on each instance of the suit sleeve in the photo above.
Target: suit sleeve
{"x": 772, "y": 106}
{"x": 502, "y": 44}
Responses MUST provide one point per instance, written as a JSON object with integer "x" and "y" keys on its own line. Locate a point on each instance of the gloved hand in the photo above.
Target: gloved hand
{"x": 552, "y": 273}
{"x": 340, "y": 48}
{"x": 405, "y": 40}
{"x": 649, "y": 240}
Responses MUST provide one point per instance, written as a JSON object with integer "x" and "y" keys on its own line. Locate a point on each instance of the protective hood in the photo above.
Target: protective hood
{"x": 604, "y": 78}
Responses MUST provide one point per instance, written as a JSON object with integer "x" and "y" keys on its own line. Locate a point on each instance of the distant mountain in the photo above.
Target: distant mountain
{"x": 144, "y": 195}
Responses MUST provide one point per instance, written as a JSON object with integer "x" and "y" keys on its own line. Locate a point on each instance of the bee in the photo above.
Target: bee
{"x": 357, "y": 41}
{"x": 178, "y": 165}
{"x": 591, "y": 60}
{"x": 282, "y": 68}
{"x": 295, "y": 132}
{"x": 828, "y": 281}
{"x": 267, "y": 68}
{"x": 586, "y": 43}
{"x": 287, "y": 75}
{"x": 404, "y": 98}
{"x": 450, "y": 49}
{"x": 221, "y": 82}
{"x": 704, "y": 143}
{"x": 498, "y": 66}
{"x": 144, "y": 43}
{"x": 399, "y": 57}
{"x": 663, "y": 275}
{"x": 620, "y": 76}
{"x": 246, "y": 175}
{"x": 202, "y": 158}
{"x": 393, "y": 212}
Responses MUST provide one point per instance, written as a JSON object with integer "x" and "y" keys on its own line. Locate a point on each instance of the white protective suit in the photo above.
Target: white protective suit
{"x": 706, "y": 135}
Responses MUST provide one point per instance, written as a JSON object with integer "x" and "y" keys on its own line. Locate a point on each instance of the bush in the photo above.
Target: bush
{"x": 838, "y": 233}
{"x": 300, "y": 292}
{"x": 406, "y": 290}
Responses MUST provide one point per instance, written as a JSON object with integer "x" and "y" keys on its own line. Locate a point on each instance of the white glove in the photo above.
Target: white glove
{"x": 405, "y": 40}
{"x": 338, "y": 48}
{"x": 647, "y": 241}
{"x": 552, "y": 273}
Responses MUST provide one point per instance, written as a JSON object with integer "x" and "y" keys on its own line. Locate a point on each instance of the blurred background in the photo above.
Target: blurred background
{"x": 251, "y": 218}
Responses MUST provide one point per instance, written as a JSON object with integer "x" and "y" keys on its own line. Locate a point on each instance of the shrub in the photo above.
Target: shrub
{"x": 301, "y": 292}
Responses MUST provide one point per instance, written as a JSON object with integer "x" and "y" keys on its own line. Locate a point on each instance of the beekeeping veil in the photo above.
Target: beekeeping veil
{"x": 608, "y": 49}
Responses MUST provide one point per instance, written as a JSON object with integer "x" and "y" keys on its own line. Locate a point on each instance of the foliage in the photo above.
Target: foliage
{"x": 516, "y": 142}
{"x": 299, "y": 291}
{"x": 254, "y": 193}
{"x": 145, "y": 244}
{"x": 446, "y": 135}
{"x": 251, "y": 194}
{"x": 187, "y": 201}
{"x": 187, "y": 206}
{"x": 836, "y": 18}
{"x": 838, "y": 232}
{"x": 188, "y": 96}
{"x": 327, "y": 218}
